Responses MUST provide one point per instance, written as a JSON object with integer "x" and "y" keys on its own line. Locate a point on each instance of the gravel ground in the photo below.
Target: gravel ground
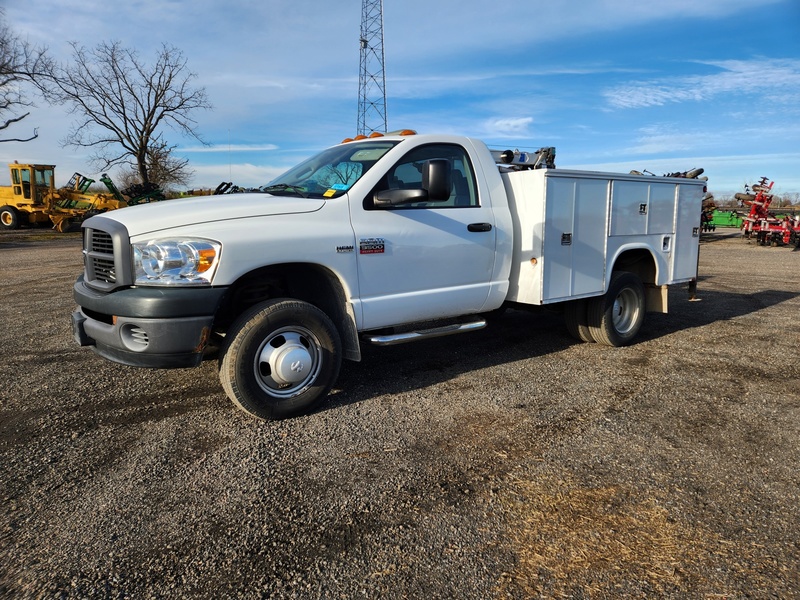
{"x": 508, "y": 463}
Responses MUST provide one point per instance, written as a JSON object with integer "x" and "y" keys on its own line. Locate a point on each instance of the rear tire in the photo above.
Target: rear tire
{"x": 616, "y": 317}
{"x": 9, "y": 217}
{"x": 576, "y": 316}
{"x": 280, "y": 358}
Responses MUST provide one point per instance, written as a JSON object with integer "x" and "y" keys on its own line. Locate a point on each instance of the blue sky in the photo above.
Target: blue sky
{"x": 612, "y": 84}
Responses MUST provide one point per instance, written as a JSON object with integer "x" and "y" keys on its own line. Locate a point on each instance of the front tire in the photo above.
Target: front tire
{"x": 616, "y": 317}
{"x": 9, "y": 217}
{"x": 280, "y": 358}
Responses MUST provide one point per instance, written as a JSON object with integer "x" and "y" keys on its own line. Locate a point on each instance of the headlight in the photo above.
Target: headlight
{"x": 175, "y": 262}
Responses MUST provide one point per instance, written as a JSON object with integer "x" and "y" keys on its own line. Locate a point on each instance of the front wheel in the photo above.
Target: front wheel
{"x": 616, "y": 317}
{"x": 280, "y": 358}
{"x": 9, "y": 217}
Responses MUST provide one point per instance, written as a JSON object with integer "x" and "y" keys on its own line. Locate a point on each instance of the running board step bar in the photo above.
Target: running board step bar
{"x": 422, "y": 334}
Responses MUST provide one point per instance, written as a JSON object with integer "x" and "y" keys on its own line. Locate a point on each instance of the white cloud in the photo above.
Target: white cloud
{"x": 669, "y": 138}
{"x": 770, "y": 79}
{"x": 505, "y": 127}
{"x": 644, "y": 94}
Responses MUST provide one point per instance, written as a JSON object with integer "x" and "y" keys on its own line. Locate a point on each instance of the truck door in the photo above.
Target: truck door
{"x": 21, "y": 181}
{"x": 429, "y": 259}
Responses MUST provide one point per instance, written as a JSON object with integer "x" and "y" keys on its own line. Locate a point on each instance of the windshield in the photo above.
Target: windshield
{"x": 44, "y": 176}
{"x": 330, "y": 173}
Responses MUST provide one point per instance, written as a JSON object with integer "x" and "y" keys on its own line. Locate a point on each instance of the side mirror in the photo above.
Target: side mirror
{"x": 437, "y": 179}
{"x": 436, "y": 186}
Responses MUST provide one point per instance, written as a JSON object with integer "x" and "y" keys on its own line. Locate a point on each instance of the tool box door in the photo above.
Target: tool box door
{"x": 575, "y": 237}
{"x": 687, "y": 232}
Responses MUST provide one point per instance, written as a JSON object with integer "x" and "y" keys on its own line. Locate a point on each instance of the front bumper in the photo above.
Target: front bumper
{"x": 146, "y": 327}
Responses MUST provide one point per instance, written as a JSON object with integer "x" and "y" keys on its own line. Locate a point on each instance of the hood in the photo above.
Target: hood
{"x": 152, "y": 217}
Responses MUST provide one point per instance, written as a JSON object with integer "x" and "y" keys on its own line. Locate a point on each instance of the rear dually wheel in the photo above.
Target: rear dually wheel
{"x": 576, "y": 315}
{"x": 616, "y": 317}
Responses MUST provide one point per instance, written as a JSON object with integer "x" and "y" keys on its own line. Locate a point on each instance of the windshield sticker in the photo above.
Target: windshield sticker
{"x": 371, "y": 246}
{"x": 340, "y": 187}
{"x": 329, "y": 193}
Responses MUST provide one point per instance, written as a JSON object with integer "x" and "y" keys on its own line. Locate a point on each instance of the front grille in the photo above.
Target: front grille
{"x": 104, "y": 270}
{"x": 100, "y": 257}
{"x": 101, "y": 242}
{"x": 107, "y": 254}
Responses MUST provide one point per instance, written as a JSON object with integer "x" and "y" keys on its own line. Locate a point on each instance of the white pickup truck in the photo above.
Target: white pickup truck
{"x": 383, "y": 240}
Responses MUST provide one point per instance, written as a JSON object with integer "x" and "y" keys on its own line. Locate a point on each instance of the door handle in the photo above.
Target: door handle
{"x": 479, "y": 227}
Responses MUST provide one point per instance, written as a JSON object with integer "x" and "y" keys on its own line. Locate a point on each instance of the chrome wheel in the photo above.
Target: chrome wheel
{"x": 615, "y": 317}
{"x": 625, "y": 312}
{"x": 280, "y": 358}
{"x": 288, "y": 362}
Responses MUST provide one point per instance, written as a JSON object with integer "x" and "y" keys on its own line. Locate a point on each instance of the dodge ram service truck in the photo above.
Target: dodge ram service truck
{"x": 380, "y": 240}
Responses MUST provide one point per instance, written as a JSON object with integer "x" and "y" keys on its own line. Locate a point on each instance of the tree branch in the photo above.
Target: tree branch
{"x": 122, "y": 104}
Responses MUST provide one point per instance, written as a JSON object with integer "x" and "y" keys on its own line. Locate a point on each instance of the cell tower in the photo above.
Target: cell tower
{"x": 372, "y": 70}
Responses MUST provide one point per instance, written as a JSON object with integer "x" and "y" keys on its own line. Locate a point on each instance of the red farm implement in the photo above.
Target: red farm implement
{"x": 763, "y": 225}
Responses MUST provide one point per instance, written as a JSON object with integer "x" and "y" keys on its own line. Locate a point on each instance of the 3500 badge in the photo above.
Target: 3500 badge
{"x": 371, "y": 246}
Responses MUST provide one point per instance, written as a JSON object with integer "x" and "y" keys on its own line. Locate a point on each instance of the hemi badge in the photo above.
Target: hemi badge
{"x": 344, "y": 248}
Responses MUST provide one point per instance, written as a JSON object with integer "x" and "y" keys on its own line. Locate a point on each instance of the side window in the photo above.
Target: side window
{"x": 16, "y": 182}
{"x": 407, "y": 174}
{"x": 26, "y": 182}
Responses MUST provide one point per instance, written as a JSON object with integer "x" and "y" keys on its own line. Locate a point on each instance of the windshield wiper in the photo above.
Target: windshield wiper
{"x": 285, "y": 187}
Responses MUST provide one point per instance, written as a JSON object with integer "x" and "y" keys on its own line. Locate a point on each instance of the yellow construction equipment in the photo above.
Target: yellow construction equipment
{"x": 33, "y": 198}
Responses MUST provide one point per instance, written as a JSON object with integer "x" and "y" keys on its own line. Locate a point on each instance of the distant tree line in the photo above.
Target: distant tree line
{"x": 122, "y": 104}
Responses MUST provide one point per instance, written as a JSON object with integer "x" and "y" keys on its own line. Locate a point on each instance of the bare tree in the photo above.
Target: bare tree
{"x": 123, "y": 105}
{"x": 19, "y": 64}
{"x": 164, "y": 169}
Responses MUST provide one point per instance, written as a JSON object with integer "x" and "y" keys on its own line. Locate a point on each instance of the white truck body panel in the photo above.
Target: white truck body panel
{"x": 571, "y": 225}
